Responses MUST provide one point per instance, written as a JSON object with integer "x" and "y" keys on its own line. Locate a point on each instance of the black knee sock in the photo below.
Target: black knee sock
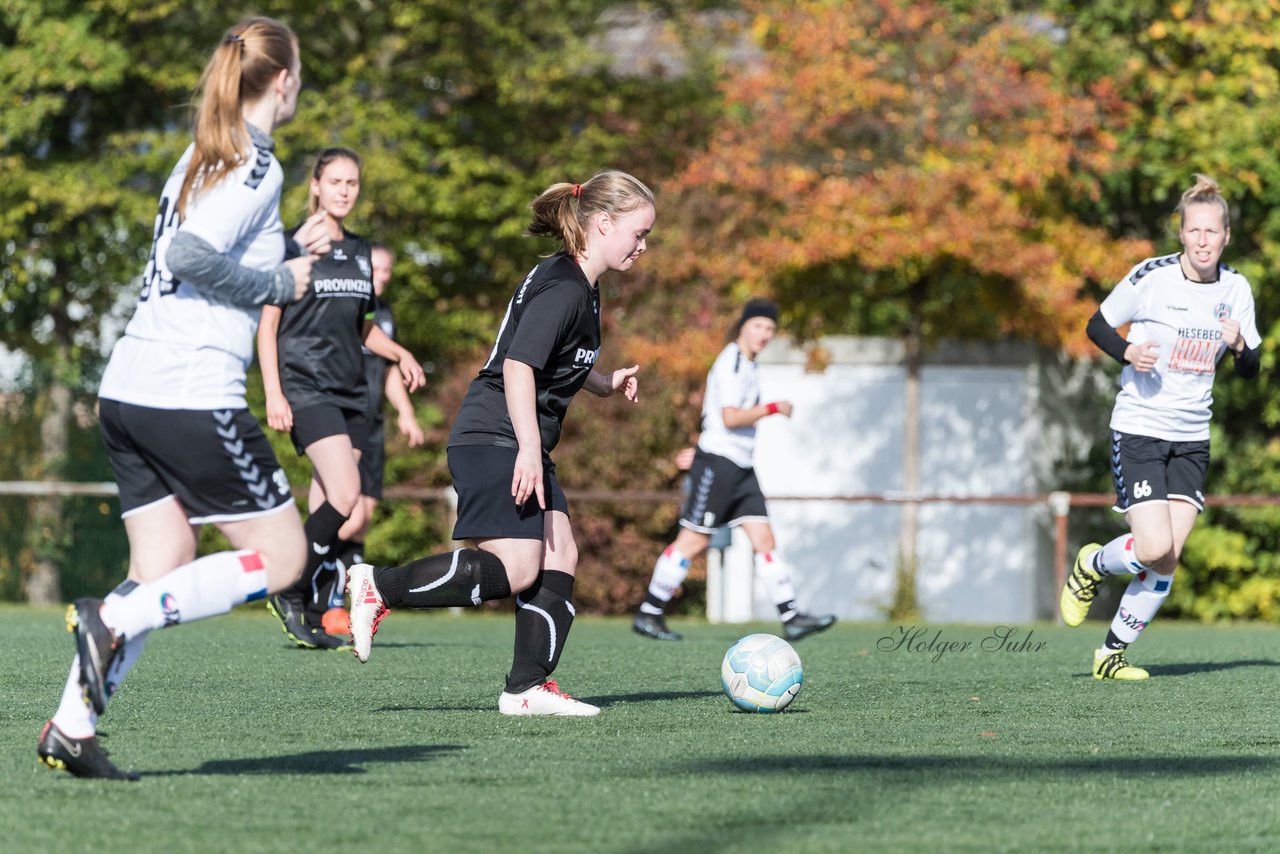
{"x": 544, "y": 616}
{"x": 321, "y": 530}
{"x": 459, "y": 578}
{"x": 350, "y": 552}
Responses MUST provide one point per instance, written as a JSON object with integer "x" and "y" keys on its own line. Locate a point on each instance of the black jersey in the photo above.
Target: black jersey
{"x": 374, "y": 365}
{"x": 552, "y": 324}
{"x": 320, "y": 335}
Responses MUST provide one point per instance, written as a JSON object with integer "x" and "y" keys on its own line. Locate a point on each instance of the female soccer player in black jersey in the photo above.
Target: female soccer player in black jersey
{"x": 1184, "y": 312}
{"x": 384, "y": 381}
{"x": 509, "y": 501}
{"x": 313, "y": 374}
{"x": 183, "y": 445}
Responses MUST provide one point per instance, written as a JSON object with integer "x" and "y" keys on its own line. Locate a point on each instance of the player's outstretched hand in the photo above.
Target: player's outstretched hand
{"x": 784, "y": 407}
{"x": 624, "y": 380}
{"x": 414, "y": 377}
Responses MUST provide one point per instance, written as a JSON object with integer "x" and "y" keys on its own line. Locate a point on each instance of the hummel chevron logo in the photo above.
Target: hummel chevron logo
{"x": 224, "y": 416}
{"x": 235, "y": 448}
{"x": 320, "y": 551}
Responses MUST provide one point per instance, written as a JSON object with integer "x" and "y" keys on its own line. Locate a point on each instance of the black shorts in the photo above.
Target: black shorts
{"x": 721, "y": 493}
{"x": 322, "y": 420}
{"x": 217, "y": 463}
{"x": 482, "y": 478}
{"x": 1147, "y": 469}
{"x": 373, "y": 458}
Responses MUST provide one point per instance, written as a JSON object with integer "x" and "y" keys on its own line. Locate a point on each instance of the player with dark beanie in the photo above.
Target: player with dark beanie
{"x": 724, "y": 490}
{"x": 314, "y": 379}
{"x": 509, "y": 501}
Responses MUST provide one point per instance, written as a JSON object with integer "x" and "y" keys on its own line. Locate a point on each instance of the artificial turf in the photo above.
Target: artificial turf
{"x": 245, "y": 744}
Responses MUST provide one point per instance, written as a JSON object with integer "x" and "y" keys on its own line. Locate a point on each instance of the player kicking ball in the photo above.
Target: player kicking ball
{"x": 723, "y": 486}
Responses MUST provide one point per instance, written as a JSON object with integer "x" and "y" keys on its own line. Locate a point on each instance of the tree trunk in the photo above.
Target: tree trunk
{"x": 905, "y": 604}
{"x": 46, "y": 539}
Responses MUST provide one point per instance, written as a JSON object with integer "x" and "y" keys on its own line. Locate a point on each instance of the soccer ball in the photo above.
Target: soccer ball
{"x": 761, "y": 673}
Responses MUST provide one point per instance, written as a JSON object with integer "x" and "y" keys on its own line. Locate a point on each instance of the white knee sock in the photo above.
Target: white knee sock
{"x": 777, "y": 583}
{"x": 75, "y": 716}
{"x": 205, "y": 587}
{"x": 1142, "y": 599}
{"x": 669, "y": 573}
{"x": 1117, "y": 558}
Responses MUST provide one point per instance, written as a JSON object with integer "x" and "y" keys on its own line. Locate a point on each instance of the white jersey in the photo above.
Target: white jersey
{"x": 1174, "y": 400}
{"x": 731, "y": 382}
{"x": 184, "y": 349}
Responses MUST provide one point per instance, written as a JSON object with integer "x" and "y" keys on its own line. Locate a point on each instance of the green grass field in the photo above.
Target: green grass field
{"x": 247, "y": 745}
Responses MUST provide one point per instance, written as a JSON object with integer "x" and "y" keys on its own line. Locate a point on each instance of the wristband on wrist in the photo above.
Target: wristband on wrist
{"x": 771, "y": 409}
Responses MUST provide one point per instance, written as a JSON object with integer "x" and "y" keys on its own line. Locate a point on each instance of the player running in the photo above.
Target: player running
{"x": 183, "y": 445}
{"x": 724, "y": 490}
{"x": 313, "y": 375}
{"x": 1184, "y": 312}
{"x": 509, "y": 501}
{"x": 381, "y": 378}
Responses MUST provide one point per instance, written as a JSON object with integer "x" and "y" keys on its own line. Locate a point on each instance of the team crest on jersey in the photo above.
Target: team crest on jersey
{"x": 366, "y": 269}
{"x": 1223, "y": 311}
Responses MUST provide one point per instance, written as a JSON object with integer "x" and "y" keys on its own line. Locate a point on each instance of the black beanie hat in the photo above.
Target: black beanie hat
{"x": 759, "y": 308}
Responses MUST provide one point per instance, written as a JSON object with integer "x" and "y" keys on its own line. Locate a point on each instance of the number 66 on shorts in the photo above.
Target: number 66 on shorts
{"x": 1146, "y": 469}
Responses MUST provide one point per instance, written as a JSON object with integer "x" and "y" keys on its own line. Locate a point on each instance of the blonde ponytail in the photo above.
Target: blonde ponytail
{"x": 242, "y": 69}
{"x": 563, "y": 210}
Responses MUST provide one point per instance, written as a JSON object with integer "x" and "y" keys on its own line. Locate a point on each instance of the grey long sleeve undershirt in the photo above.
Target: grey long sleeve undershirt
{"x": 192, "y": 260}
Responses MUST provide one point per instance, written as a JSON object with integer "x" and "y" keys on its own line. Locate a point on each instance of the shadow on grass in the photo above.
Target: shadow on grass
{"x": 602, "y": 702}
{"x": 967, "y": 767}
{"x": 315, "y": 762}
{"x": 1207, "y": 666}
{"x": 650, "y": 697}
{"x": 486, "y": 707}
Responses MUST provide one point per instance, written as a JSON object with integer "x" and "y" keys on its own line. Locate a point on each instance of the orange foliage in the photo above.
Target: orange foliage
{"x": 913, "y": 141}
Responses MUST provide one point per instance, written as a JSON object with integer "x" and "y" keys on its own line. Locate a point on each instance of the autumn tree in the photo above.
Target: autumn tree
{"x": 906, "y": 168}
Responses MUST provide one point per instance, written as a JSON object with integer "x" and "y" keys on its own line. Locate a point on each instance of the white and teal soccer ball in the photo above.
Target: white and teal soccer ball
{"x": 761, "y": 673}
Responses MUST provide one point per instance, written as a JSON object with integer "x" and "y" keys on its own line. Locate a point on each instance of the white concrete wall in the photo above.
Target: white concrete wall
{"x": 981, "y": 434}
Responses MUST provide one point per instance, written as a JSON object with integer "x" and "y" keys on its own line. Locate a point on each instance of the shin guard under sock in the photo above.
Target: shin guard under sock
{"x": 669, "y": 573}
{"x": 321, "y": 530}
{"x": 544, "y": 616}
{"x": 1138, "y": 606}
{"x": 460, "y": 578}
